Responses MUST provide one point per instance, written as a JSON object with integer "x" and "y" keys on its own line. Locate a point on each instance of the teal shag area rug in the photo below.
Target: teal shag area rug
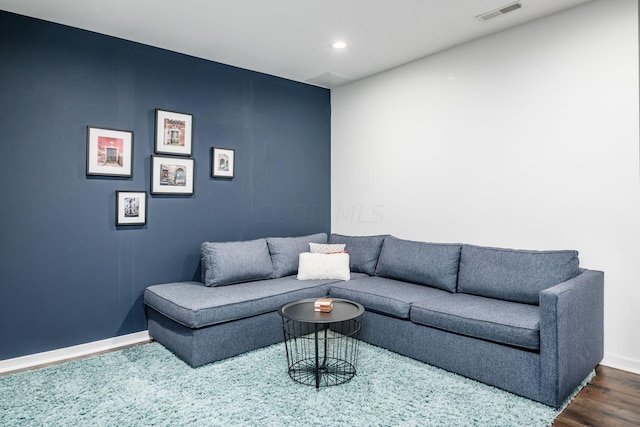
{"x": 148, "y": 386}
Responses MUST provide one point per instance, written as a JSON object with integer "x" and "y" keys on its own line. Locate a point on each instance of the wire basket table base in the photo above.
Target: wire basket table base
{"x": 321, "y": 354}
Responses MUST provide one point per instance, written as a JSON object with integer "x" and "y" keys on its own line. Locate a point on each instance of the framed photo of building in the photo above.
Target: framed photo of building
{"x": 172, "y": 175}
{"x": 109, "y": 152}
{"x": 173, "y": 133}
{"x": 223, "y": 162}
{"x": 131, "y": 208}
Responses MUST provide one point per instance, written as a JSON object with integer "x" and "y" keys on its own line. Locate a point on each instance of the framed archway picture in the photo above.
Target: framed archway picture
{"x": 172, "y": 175}
{"x": 131, "y": 208}
{"x": 173, "y": 133}
{"x": 223, "y": 162}
{"x": 109, "y": 152}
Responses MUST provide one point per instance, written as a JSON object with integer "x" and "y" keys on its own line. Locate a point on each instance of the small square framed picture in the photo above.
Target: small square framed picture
{"x": 223, "y": 162}
{"x": 131, "y": 207}
{"x": 109, "y": 152}
{"x": 172, "y": 175}
{"x": 173, "y": 133}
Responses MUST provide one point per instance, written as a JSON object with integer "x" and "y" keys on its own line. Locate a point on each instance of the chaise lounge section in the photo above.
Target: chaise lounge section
{"x": 529, "y": 322}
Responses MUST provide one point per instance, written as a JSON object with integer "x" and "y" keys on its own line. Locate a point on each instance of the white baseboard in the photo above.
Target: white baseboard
{"x": 623, "y": 363}
{"x": 62, "y": 354}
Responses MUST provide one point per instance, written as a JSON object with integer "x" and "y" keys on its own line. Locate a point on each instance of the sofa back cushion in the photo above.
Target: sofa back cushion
{"x": 224, "y": 263}
{"x": 431, "y": 264}
{"x": 513, "y": 275}
{"x": 285, "y": 252}
{"x": 363, "y": 251}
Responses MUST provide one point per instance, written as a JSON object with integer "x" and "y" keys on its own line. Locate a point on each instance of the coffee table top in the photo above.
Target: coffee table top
{"x": 302, "y": 311}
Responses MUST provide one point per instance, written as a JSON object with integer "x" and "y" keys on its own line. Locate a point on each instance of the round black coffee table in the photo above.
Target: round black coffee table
{"x": 322, "y": 348}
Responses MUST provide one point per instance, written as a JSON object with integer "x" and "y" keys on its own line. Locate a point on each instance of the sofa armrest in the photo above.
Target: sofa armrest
{"x": 571, "y": 333}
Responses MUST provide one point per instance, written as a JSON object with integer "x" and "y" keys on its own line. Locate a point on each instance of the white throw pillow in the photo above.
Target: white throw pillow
{"x": 323, "y": 266}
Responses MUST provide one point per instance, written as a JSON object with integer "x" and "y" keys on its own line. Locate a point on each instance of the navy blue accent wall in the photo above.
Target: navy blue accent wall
{"x": 68, "y": 274}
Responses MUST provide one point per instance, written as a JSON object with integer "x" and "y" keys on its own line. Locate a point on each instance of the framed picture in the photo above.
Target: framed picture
{"x": 223, "y": 162}
{"x": 172, "y": 175}
{"x": 131, "y": 207}
{"x": 109, "y": 152}
{"x": 173, "y": 133}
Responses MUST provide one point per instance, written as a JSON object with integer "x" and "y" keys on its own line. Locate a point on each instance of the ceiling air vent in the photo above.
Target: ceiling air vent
{"x": 498, "y": 12}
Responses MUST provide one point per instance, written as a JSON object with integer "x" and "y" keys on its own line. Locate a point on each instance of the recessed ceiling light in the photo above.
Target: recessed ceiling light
{"x": 338, "y": 45}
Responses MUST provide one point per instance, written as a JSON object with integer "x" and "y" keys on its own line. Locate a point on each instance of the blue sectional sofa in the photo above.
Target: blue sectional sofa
{"x": 529, "y": 322}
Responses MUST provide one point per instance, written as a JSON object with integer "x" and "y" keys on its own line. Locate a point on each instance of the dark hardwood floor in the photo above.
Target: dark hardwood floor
{"x": 611, "y": 399}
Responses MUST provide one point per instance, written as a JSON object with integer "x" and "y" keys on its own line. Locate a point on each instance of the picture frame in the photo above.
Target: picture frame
{"x": 172, "y": 175}
{"x": 223, "y": 162}
{"x": 109, "y": 152}
{"x": 173, "y": 133}
{"x": 131, "y": 208}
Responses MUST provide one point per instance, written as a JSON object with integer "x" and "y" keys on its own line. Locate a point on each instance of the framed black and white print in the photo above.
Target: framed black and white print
{"x": 109, "y": 152}
{"x": 172, "y": 175}
{"x": 223, "y": 162}
{"x": 173, "y": 133}
{"x": 131, "y": 207}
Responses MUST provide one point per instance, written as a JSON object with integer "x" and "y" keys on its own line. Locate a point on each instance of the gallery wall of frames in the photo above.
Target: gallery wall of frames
{"x": 110, "y": 154}
{"x": 120, "y": 159}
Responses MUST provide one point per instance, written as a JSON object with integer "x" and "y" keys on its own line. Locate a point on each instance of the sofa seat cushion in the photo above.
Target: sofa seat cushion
{"x": 514, "y": 275}
{"x": 489, "y": 319}
{"x": 431, "y": 264}
{"x": 195, "y": 305}
{"x": 382, "y": 295}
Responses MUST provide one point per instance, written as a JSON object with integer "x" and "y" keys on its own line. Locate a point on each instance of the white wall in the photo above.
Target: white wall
{"x": 525, "y": 139}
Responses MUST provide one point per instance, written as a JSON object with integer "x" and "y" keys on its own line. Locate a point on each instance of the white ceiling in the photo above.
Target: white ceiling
{"x": 291, "y": 38}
